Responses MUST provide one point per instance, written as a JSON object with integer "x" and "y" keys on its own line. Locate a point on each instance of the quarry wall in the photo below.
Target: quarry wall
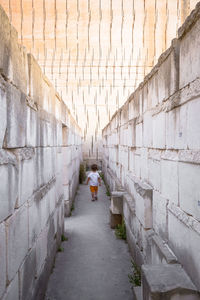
{"x": 40, "y": 153}
{"x": 152, "y": 150}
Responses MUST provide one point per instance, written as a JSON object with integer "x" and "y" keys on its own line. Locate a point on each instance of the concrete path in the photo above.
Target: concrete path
{"x": 94, "y": 265}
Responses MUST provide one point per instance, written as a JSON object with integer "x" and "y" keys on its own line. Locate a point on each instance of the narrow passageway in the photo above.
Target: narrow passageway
{"x": 94, "y": 264}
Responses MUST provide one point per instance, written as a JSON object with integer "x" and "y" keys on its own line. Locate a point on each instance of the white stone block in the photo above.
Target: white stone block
{"x": 3, "y": 115}
{"x": 185, "y": 243}
{"x": 27, "y": 275}
{"x": 41, "y": 250}
{"x": 189, "y": 59}
{"x": 27, "y": 183}
{"x": 139, "y": 135}
{"x": 142, "y": 194}
{"x": 176, "y": 128}
{"x": 17, "y": 227}
{"x": 155, "y": 173}
{"x": 12, "y": 291}
{"x": 160, "y": 214}
{"x": 16, "y": 118}
{"x": 159, "y": 133}
{"x": 31, "y": 128}
{"x": 147, "y": 129}
{"x": 8, "y": 190}
{"x": 3, "y": 259}
{"x": 193, "y": 124}
{"x": 169, "y": 180}
{"x": 144, "y": 163}
{"x": 189, "y": 188}
{"x": 137, "y": 165}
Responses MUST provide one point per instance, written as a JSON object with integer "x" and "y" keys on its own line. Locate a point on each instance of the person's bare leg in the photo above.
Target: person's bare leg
{"x": 96, "y": 195}
{"x": 93, "y": 196}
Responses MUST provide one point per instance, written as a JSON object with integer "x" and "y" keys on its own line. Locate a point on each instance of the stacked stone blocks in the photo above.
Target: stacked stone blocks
{"x": 33, "y": 143}
{"x": 151, "y": 146}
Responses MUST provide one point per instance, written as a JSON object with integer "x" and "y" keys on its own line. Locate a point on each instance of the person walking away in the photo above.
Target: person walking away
{"x": 94, "y": 180}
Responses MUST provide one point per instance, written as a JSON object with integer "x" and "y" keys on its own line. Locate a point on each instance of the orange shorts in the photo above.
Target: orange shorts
{"x": 93, "y": 189}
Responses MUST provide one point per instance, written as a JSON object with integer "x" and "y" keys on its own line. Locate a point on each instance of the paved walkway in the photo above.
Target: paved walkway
{"x": 94, "y": 265}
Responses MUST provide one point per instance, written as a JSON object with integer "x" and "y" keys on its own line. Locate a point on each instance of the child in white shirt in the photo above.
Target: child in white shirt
{"x": 94, "y": 180}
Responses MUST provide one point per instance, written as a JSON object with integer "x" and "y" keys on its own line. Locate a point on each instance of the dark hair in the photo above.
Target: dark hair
{"x": 94, "y": 167}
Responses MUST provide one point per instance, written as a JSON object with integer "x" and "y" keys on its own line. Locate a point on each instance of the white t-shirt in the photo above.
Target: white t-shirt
{"x": 93, "y": 178}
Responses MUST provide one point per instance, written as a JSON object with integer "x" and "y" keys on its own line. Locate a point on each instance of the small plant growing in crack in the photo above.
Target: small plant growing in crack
{"x": 120, "y": 231}
{"x": 135, "y": 276}
{"x": 60, "y": 249}
{"x": 64, "y": 238}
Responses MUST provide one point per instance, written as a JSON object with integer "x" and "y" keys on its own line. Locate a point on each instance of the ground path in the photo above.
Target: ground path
{"x": 94, "y": 264}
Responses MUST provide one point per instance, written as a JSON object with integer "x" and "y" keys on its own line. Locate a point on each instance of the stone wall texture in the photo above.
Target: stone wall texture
{"x": 152, "y": 150}
{"x": 40, "y": 152}
{"x": 96, "y": 52}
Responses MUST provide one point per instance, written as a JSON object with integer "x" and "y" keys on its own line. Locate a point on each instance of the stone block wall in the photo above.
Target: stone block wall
{"x": 152, "y": 150}
{"x": 40, "y": 153}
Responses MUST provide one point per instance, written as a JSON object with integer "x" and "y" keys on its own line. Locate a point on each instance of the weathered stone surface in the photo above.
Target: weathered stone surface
{"x": 3, "y": 114}
{"x": 9, "y": 187}
{"x": 16, "y": 118}
{"x": 12, "y": 291}
{"x": 27, "y": 275}
{"x": 17, "y": 226}
{"x": 160, "y": 214}
{"x": 169, "y": 180}
{"x": 158, "y": 281}
{"x": 187, "y": 255}
{"x": 189, "y": 60}
{"x": 189, "y": 193}
{"x": 3, "y": 259}
{"x": 159, "y": 135}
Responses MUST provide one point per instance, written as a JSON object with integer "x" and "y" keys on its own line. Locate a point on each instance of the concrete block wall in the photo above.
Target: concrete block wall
{"x": 152, "y": 149}
{"x": 40, "y": 142}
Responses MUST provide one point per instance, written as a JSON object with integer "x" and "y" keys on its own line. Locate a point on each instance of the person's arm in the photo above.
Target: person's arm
{"x": 99, "y": 180}
{"x": 88, "y": 179}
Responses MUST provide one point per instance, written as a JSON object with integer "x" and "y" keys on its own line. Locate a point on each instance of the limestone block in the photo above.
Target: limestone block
{"x": 169, "y": 180}
{"x": 137, "y": 165}
{"x": 27, "y": 275}
{"x": 12, "y": 291}
{"x": 31, "y": 128}
{"x": 155, "y": 173}
{"x": 158, "y": 283}
{"x": 159, "y": 131}
{"x": 142, "y": 194}
{"x": 139, "y": 135}
{"x": 38, "y": 216}
{"x": 168, "y": 76}
{"x": 147, "y": 129}
{"x": 189, "y": 191}
{"x": 41, "y": 250}
{"x": 153, "y": 90}
{"x": 184, "y": 233}
{"x": 193, "y": 124}
{"x": 16, "y": 118}
{"x": 144, "y": 163}
{"x": 160, "y": 214}
{"x": 3, "y": 259}
{"x": 9, "y": 184}
{"x": 189, "y": 59}
{"x": 116, "y": 206}
{"x": 13, "y": 62}
{"x": 27, "y": 177}
{"x": 176, "y": 128}
{"x": 17, "y": 227}
{"x": 36, "y": 91}
{"x": 131, "y": 164}
{"x": 3, "y": 114}
{"x": 160, "y": 251}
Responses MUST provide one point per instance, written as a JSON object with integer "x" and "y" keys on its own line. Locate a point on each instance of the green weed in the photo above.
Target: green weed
{"x": 64, "y": 238}
{"x": 135, "y": 276}
{"x": 60, "y": 249}
{"x": 120, "y": 231}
